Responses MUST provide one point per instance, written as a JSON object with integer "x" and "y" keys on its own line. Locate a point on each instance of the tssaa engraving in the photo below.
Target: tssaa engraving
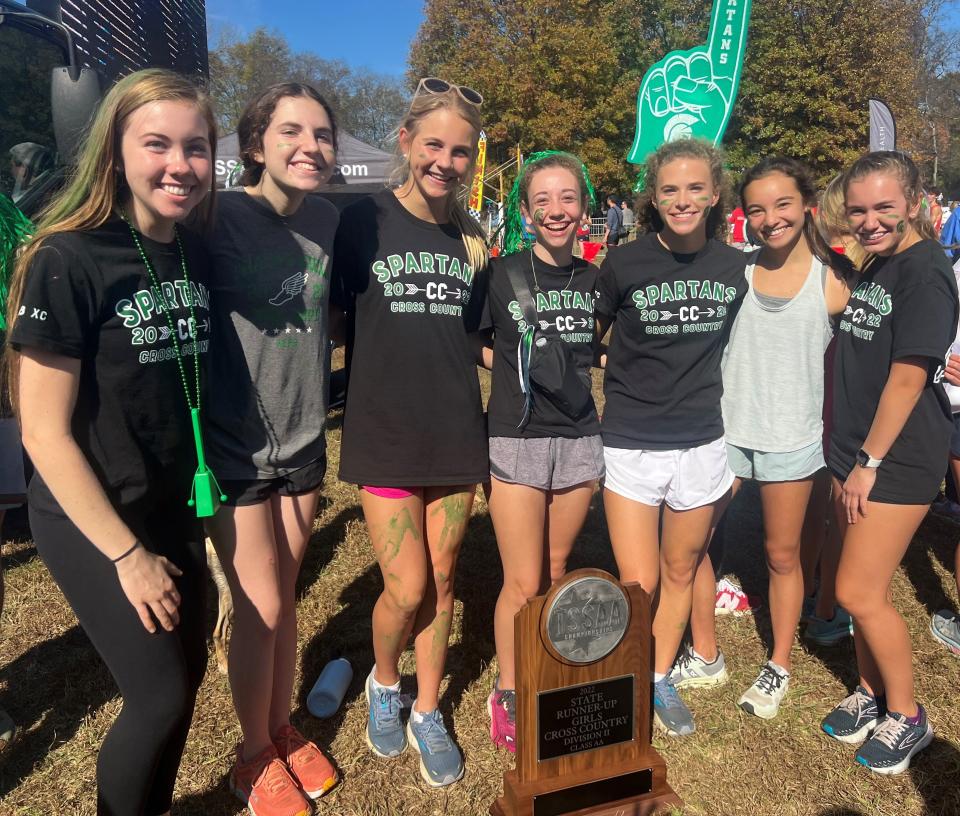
{"x": 587, "y": 619}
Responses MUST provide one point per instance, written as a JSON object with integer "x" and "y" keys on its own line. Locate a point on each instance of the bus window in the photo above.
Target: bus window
{"x": 28, "y": 152}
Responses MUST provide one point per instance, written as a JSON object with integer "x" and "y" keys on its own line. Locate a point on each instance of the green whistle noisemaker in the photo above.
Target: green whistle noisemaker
{"x": 205, "y": 494}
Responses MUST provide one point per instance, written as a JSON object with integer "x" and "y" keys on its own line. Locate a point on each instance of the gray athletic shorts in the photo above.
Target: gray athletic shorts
{"x": 546, "y": 463}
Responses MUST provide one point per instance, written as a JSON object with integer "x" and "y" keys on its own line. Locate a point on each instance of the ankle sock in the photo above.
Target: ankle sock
{"x": 417, "y": 716}
{"x": 918, "y": 718}
{"x": 779, "y": 668}
{"x": 376, "y": 685}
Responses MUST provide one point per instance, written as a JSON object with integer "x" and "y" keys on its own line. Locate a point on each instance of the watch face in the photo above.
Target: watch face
{"x": 862, "y": 458}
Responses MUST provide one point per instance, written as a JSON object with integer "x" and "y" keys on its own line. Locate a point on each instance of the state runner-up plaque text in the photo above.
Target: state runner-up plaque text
{"x": 583, "y": 705}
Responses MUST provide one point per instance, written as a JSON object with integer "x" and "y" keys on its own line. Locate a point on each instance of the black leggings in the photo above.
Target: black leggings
{"x": 158, "y": 674}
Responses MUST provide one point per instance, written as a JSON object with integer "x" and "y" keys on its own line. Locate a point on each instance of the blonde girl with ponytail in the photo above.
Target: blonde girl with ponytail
{"x": 409, "y": 262}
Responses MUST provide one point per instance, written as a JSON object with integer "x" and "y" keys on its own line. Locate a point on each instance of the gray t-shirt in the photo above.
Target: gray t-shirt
{"x": 268, "y": 365}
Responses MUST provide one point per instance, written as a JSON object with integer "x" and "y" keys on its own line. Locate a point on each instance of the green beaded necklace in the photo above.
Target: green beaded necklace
{"x": 205, "y": 494}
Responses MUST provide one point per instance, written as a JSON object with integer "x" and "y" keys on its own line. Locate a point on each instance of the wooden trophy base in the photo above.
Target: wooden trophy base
{"x": 627, "y": 789}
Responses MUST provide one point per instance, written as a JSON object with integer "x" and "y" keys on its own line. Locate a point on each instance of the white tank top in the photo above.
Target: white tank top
{"x": 773, "y": 367}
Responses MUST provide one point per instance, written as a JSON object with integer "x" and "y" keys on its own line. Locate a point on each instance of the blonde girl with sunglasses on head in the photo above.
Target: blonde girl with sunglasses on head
{"x": 409, "y": 260}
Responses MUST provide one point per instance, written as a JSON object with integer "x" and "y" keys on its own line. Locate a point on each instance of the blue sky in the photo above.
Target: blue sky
{"x": 374, "y": 34}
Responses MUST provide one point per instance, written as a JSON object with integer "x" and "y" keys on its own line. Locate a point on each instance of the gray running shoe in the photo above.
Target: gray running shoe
{"x": 692, "y": 671}
{"x": 854, "y": 718}
{"x": 894, "y": 743}
{"x": 669, "y": 711}
{"x": 440, "y": 760}
{"x": 385, "y": 734}
{"x": 829, "y": 632}
{"x": 764, "y": 696}
{"x": 945, "y": 627}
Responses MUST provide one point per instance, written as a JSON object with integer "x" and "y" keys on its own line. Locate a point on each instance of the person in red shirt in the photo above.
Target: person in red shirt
{"x": 737, "y": 236}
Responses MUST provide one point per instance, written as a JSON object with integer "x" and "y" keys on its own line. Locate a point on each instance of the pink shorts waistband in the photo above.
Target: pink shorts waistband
{"x": 387, "y": 492}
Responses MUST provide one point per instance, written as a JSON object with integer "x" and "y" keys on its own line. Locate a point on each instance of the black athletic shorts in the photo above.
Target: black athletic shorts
{"x": 241, "y": 492}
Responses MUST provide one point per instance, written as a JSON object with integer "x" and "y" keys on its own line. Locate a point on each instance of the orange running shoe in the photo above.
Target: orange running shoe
{"x": 265, "y": 785}
{"x": 307, "y": 763}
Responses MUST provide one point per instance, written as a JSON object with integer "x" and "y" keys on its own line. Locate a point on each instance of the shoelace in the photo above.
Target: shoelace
{"x": 433, "y": 734}
{"x": 294, "y": 742}
{"x": 890, "y": 731}
{"x": 508, "y": 700}
{"x": 668, "y": 694}
{"x": 685, "y": 659}
{"x": 769, "y": 680}
{"x": 388, "y": 708}
{"x": 855, "y": 703}
{"x": 274, "y": 777}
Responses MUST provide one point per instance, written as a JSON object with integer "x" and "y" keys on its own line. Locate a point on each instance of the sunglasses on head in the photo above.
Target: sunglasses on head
{"x": 435, "y": 85}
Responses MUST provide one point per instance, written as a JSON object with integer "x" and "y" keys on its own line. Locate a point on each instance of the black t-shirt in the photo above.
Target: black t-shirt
{"x": 413, "y": 413}
{"x": 88, "y": 295}
{"x": 672, "y": 314}
{"x": 904, "y": 305}
{"x": 565, "y": 313}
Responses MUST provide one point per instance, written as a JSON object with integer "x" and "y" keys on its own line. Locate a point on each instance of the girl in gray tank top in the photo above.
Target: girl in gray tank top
{"x": 773, "y": 372}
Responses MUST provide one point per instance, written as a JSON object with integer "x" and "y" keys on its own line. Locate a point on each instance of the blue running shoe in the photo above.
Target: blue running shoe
{"x": 669, "y": 711}
{"x": 945, "y": 627}
{"x": 440, "y": 760}
{"x": 894, "y": 743}
{"x": 385, "y": 734}
{"x": 829, "y": 632}
{"x": 854, "y": 718}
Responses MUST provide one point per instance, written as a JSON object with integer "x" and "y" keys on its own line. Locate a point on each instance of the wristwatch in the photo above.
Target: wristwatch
{"x": 865, "y": 460}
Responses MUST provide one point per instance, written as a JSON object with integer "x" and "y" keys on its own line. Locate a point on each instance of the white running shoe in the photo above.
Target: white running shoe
{"x": 764, "y": 696}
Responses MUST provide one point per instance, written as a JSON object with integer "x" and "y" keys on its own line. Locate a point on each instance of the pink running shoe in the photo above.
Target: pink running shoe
{"x": 731, "y": 600}
{"x": 502, "y": 707}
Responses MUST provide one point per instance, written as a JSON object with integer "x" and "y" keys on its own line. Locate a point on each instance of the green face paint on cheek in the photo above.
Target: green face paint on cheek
{"x": 538, "y": 215}
{"x": 284, "y": 145}
{"x": 664, "y": 202}
{"x": 901, "y": 227}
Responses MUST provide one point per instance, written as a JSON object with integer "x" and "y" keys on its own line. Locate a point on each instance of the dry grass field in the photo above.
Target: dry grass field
{"x": 54, "y": 685}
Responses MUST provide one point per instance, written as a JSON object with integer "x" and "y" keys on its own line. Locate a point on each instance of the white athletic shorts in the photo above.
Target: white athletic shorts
{"x": 684, "y": 478}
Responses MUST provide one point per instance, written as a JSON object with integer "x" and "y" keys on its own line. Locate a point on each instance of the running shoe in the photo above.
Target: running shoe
{"x": 945, "y": 627}
{"x": 502, "y": 708}
{"x": 692, "y": 671}
{"x": 308, "y": 765}
{"x": 854, "y": 718}
{"x": 764, "y": 696}
{"x": 385, "y": 734}
{"x": 265, "y": 786}
{"x": 731, "y": 600}
{"x": 440, "y": 760}
{"x": 894, "y": 743}
{"x": 669, "y": 711}
{"x": 829, "y": 632}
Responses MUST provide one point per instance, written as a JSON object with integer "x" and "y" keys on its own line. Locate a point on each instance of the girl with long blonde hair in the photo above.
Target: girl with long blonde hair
{"x": 409, "y": 261}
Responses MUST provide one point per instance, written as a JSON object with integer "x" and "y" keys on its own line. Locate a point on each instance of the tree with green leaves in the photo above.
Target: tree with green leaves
{"x": 366, "y": 104}
{"x": 566, "y": 74}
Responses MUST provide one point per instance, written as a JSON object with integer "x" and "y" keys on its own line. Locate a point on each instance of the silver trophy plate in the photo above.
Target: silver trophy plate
{"x": 587, "y": 619}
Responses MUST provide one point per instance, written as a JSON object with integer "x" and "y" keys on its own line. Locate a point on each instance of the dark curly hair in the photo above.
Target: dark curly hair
{"x": 647, "y": 216}
{"x": 256, "y": 119}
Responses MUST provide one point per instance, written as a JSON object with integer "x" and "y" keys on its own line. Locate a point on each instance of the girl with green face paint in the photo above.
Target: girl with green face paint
{"x": 669, "y": 296}
{"x": 889, "y": 444}
{"x": 412, "y": 263}
{"x": 544, "y": 461}
{"x": 271, "y": 246}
